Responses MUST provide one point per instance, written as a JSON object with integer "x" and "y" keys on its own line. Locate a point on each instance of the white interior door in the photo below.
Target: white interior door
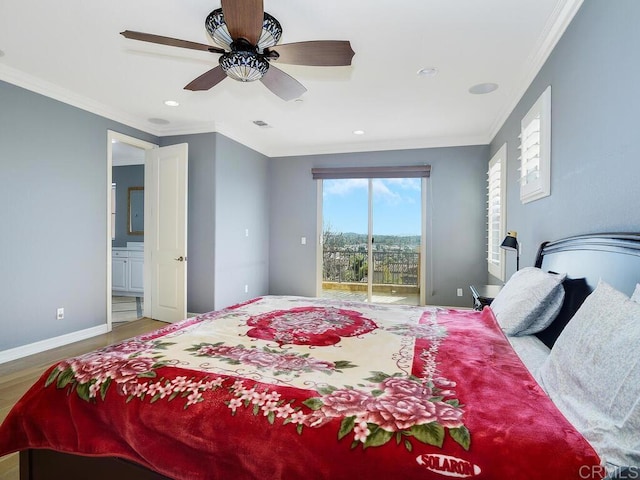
{"x": 166, "y": 224}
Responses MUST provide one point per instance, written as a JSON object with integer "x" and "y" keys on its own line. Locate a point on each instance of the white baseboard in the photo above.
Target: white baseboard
{"x": 48, "y": 344}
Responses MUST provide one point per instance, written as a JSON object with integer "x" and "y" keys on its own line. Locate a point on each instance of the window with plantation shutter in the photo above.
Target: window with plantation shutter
{"x": 496, "y": 191}
{"x": 535, "y": 150}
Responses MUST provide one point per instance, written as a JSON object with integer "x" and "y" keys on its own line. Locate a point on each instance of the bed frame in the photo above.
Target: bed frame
{"x": 585, "y": 259}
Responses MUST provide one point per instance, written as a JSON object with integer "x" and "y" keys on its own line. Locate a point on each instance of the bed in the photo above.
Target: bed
{"x": 284, "y": 387}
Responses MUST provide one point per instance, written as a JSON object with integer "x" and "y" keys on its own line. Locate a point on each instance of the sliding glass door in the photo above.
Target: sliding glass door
{"x": 345, "y": 238}
{"x": 396, "y": 216}
{"x": 372, "y": 239}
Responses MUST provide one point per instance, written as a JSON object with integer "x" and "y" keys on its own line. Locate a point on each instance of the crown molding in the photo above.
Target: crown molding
{"x": 187, "y": 129}
{"x": 555, "y": 28}
{"x": 55, "y": 92}
{"x": 558, "y": 22}
{"x": 380, "y": 146}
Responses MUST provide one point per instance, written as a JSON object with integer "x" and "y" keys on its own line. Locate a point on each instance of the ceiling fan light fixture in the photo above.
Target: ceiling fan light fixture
{"x": 271, "y": 32}
{"x": 247, "y": 39}
{"x": 217, "y": 28}
{"x": 244, "y": 66}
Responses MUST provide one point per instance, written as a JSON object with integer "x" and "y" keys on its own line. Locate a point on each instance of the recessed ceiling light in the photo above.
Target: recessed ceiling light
{"x": 428, "y": 72}
{"x": 482, "y": 88}
{"x": 171, "y": 103}
{"x": 358, "y": 132}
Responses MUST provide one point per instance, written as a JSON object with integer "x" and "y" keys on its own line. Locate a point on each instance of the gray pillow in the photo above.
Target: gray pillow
{"x": 529, "y": 301}
{"x": 593, "y": 374}
{"x": 636, "y": 294}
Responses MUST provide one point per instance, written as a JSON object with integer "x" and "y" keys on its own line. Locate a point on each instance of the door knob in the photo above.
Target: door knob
{"x": 180, "y": 259}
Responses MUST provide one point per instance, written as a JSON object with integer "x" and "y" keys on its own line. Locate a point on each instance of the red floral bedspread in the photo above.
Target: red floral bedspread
{"x": 289, "y": 387}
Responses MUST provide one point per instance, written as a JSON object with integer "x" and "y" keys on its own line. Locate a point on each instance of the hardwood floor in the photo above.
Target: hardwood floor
{"x": 17, "y": 376}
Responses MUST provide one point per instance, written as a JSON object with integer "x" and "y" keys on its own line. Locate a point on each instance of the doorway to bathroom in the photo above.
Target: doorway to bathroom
{"x": 127, "y": 229}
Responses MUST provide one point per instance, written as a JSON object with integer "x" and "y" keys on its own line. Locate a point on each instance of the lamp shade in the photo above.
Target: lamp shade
{"x": 510, "y": 242}
{"x": 217, "y": 28}
{"x": 244, "y": 66}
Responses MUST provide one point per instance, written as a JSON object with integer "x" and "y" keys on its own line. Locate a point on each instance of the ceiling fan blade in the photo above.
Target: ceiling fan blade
{"x": 282, "y": 84}
{"x": 331, "y": 53}
{"x": 173, "y": 42}
{"x": 207, "y": 80}
{"x": 244, "y": 19}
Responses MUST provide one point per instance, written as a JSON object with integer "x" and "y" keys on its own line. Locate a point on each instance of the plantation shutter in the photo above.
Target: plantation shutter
{"x": 496, "y": 181}
{"x": 530, "y": 152}
{"x": 535, "y": 150}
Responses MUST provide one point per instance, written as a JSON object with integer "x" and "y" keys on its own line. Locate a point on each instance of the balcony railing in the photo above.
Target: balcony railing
{"x": 389, "y": 267}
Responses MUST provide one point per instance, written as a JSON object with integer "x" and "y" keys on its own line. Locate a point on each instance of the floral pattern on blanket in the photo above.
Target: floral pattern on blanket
{"x": 380, "y": 408}
{"x": 404, "y": 407}
{"x": 281, "y": 362}
{"x": 389, "y": 407}
{"x": 91, "y": 375}
{"x": 382, "y": 391}
{"x": 318, "y": 326}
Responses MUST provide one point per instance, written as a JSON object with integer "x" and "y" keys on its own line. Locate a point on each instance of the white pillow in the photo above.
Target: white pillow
{"x": 593, "y": 374}
{"x": 636, "y": 294}
{"x": 529, "y": 301}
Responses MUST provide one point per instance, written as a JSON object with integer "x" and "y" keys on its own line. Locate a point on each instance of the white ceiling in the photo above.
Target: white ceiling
{"x": 71, "y": 50}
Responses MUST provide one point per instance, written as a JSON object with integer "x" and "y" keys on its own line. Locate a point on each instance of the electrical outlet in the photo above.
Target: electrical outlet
{"x": 459, "y": 292}
{"x": 246, "y": 289}
{"x": 60, "y": 313}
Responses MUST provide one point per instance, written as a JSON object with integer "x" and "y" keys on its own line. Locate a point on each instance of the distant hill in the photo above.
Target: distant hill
{"x": 346, "y": 239}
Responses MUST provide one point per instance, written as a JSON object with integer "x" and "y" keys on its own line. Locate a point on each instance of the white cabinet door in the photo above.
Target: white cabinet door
{"x": 119, "y": 274}
{"x": 136, "y": 275}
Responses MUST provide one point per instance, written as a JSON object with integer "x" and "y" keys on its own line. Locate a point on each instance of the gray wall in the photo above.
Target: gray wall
{"x": 456, "y": 210}
{"x": 594, "y": 75}
{"x": 53, "y": 220}
{"x": 124, "y": 177}
{"x": 242, "y": 206}
{"x": 53, "y": 188}
{"x": 201, "y": 219}
{"x": 227, "y": 196}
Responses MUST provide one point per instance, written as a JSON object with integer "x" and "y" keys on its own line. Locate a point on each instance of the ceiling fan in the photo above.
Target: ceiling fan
{"x": 247, "y": 38}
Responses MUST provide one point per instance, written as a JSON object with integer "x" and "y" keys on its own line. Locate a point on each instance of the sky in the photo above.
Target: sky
{"x": 396, "y": 205}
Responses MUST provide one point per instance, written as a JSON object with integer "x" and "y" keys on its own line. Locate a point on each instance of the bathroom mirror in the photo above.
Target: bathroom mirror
{"x": 135, "y": 218}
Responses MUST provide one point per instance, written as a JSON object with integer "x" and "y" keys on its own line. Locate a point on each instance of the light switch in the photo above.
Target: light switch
{"x": 303, "y": 240}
